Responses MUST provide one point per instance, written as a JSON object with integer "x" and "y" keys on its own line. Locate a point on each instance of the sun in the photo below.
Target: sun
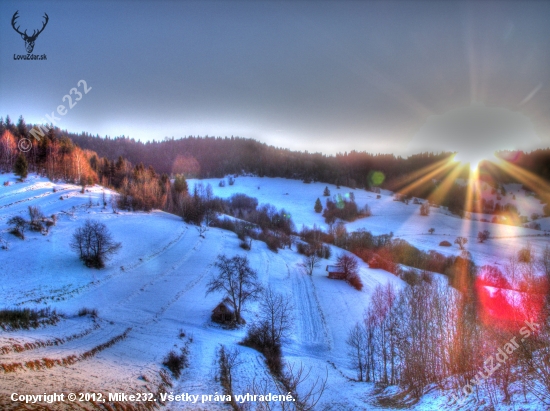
{"x": 475, "y": 133}
{"x": 473, "y": 160}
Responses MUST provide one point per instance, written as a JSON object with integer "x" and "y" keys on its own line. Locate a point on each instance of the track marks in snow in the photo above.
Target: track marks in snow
{"x": 313, "y": 330}
{"x": 20, "y": 346}
{"x": 114, "y": 273}
{"x": 47, "y": 362}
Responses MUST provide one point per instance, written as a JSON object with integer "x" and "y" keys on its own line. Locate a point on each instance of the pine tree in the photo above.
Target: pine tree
{"x": 21, "y": 167}
{"x": 326, "y": 193}
{"x": 180, "y": 184}
{"x": 318, "y": 206}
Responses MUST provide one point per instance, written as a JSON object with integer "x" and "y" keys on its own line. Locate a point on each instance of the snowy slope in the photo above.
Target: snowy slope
{"x": 149, "y": 291}
{"x": 403, "y": 220}
{"x": 156, "y": 287}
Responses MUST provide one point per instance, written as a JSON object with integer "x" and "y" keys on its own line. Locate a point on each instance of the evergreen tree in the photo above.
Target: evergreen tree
{"x": 326, "y": 193}
{"x": 318, "y": 206}
{"x": 21, "y": 127}
{"x": 180, "y": 184}
{"x": 21, "y": 167}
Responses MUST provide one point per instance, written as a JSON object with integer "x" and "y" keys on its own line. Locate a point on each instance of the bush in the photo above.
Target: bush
{"x": 225, "y": 224}
{"x": 12, "y": 319}
{"x": 525, "y": 255}
{"x": 36, "y": 216}
{"x": 273, "y": 242}
{"x": 483, "y": 236}
{"x": 177, "y": 362}
{"x": 366, "y": 211}
{"x": 323, "y": 252}
{"x": 445, "y": 243}
{"x": 221, "y": 183}
{"x": 410, "y": 277}
{"x": 257, "y": 337}
{"x": 18, "y": 226}
{"x": 355, "y": 281}
{"x": 377, "y": 261}
{"x": 304, "y": 249}
{"x": 87, "y": 311}
{"x": 425, "y": 209}
{"x": 94, "y": 243}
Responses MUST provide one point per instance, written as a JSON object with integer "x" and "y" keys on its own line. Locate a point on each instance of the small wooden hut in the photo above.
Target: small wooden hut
{"x": 335, "y": 272}
{"x": 224, "y": 313}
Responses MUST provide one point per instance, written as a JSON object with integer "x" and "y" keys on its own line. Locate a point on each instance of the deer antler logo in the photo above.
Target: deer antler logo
{"x": 29, "y": 40}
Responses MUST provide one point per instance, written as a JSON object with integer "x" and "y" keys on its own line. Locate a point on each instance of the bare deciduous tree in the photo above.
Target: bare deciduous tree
{"x": 309, "y": 263}
{"x": 276, "y": 311}
{"x": 237, "y": 279}
{"x": 483, "y": 236}
{"x": 425, "y": 209}
{"x": 357, "y": 344}
{"x": 348, "y": 265}
{"x": 461, "y": 242}
{"x": 94, "y": 243}
{"x": 228, "y": 360}
{"x": 294, "y": 383}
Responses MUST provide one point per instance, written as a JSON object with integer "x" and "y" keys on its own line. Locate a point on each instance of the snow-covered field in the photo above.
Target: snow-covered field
{"x": 155, "y": 287}
{"x": 403, "y": 220}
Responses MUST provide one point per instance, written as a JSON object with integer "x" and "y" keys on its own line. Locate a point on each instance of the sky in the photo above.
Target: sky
{"x": 322, "y": 76}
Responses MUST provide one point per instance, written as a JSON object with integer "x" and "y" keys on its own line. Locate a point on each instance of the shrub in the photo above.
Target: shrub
{"x": 94, "y": 243}
{"x": 534, "y": 226}
{"x": 383, "y": 262}
{"x": 177, "y": 362}
{"x": 355, "y": 281}
{"x": 225, "y": 224}
{"x": 273, "y": 242}
{"x": 18, "y": 226}
{"x": 366, "y": 211}
{"x": 92, "y": 312}
{"x": 36, "y": 216}
{"x": 410, "y": 277}
{"x": 221, "y": 183}
{"x": 12, "y": 319}
{"x": 425, "y": 209}
{"x": 445, "y": 243}
{"x": 483, "y": 236}
{"x": 426, "y": 277}
{"x": 257, "y": 337}
{"x": 323, "y": 252}
{"x": 245, "y": 245}
{"x": 525, "y": 255}
{"x": 304, "y": 249}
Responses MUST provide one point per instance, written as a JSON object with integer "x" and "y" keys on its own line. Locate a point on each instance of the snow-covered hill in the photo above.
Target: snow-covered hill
{"x": 154, "y": 290}
{"x": 404, "y": 220}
